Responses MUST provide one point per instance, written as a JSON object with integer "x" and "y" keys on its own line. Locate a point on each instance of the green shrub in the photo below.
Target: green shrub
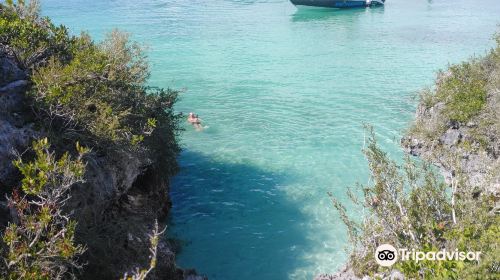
{"x": 95, "y": 93}
{"x": 101, "y": 91}
{"x": 463, "y": 91}
{"x": 409, "y": 206}
{"x": 39, "y": 243}
{"x": 32, "y": 39}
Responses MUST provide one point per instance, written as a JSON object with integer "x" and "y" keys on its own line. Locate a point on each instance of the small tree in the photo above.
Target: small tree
{"x": 39, "y": 242}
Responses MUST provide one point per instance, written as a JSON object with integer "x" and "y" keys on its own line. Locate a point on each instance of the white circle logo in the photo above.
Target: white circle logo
{"x": 386, "y": 255}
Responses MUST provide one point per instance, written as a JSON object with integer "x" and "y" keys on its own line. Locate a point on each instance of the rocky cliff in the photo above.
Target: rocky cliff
{"x": 469, "y": 147}
{"x": 117, "y": 205}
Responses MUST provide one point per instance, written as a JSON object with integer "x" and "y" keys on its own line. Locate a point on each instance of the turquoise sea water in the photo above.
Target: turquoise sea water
{"x": 283, "y": 93}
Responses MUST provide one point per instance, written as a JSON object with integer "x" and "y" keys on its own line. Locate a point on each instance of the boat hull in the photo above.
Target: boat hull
{"x": 335, "y": 3}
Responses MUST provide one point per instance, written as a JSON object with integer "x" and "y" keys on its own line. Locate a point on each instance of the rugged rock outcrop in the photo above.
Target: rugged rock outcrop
{"x": 457, "y": 124}
{"x": 15, "y": 130}
{"x": 115, "y": 208}
{"x": 472, "y": 148}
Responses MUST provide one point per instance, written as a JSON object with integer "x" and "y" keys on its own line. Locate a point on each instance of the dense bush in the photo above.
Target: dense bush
{"x": 31, "y": 38}
{"x": 95, "y": 93}
{"x": 410, "y": 206}
{"x": 463, "y": 88}
{"x": 466, "y": 96}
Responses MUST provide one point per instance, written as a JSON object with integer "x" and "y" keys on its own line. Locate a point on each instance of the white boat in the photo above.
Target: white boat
{"x": 338, "y": 3}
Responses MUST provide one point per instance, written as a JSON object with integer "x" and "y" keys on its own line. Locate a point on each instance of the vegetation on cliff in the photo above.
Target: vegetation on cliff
{"x": 94, "y": 95}
{"x": 461, "y": 114}
{"x": 40, "y": 240}
{"x": 87, "y": 91}
{"x": 410, "y": 206}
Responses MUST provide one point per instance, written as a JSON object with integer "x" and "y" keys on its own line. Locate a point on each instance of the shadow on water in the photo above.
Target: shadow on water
{"x": 304, "y": 14}
{"x": 235, "y": 220}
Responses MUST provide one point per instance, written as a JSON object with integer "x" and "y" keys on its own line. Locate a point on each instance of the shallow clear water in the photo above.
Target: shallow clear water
{"x": 284, "y": 93}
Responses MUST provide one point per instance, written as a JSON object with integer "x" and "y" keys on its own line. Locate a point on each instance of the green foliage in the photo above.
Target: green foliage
{"x": 465, "y": 95}
{"x": 463, "y": 91}
{"x": 476, "y": 236}
{"x": 95, "y": 93}
{"x": 81, "y": 91}
{"x": 409, "y": 206}
{"x": 486, "y": 239}
{"x": 39, "y": 243}
{"x": 32, "y": 39}
{"x": 45, "y": 170}
{"x": 101, "y": 88}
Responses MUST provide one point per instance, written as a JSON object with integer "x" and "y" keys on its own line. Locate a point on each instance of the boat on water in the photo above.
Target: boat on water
{"x": 338, "y": 3}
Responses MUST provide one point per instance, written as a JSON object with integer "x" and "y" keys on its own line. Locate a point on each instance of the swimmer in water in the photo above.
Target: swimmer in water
{"x": 195, "y": 121}
{"x": 191, "y": 118}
